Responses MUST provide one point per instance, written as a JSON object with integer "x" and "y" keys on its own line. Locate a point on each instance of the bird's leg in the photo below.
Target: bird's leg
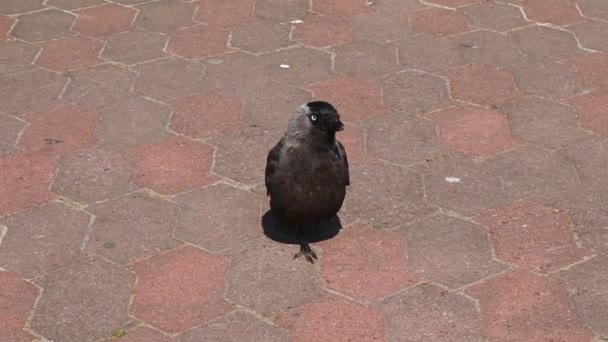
{"x": 305, "y": 249}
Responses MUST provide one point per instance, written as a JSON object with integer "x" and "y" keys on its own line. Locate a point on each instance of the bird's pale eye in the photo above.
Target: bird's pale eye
{"x": 313, "y": 117}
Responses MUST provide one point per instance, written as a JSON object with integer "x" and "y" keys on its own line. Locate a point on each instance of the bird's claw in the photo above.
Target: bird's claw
{"x": 307, "y": 252}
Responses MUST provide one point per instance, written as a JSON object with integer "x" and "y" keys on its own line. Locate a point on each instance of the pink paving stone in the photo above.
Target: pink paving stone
{"x": 438, "y": 21}
{"x": 354, "y": 98}
{"x": 333, "y": 318}
{"x": 224, "y": 13}
{"x": 323, "y": 31}
{"x": 17, "y": 297}
{"x": 65, "y": 129}
{"x": 206, "y": 115}
{"x": 473, "y": 130}
{"x": 366, "y": 263}
{"x": 104, "y": 20}
{"x": 198, "y": 42}
{"x": 43, "y": 239}
{"x": 24, "y": 181}
{"x": 174, "y": 165}
{"x": 180, "y": 289}
{"x": 592, "y": 109}
{"x": 9, "y": 133}
{"x": 70, "y": 53}
{"x": 339, "y": 8}
{"x": 532, "y": 236}
{"x": 556, "y": 12}
{"x": 483, "y": 85}
{"x": 592, "y": 69}
{"x": 5, "y": 25}
{"x": 144, "y": 334}
{"x": 354, "y": 140}
{"x": 521, "y": 306}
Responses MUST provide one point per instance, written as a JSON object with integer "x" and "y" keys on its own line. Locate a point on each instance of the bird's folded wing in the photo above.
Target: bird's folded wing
{"x": 272, "y": 162}
{"x": 345, "y": 159}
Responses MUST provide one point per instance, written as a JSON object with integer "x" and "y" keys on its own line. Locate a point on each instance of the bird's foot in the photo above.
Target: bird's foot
{"x": 307, "y": 252}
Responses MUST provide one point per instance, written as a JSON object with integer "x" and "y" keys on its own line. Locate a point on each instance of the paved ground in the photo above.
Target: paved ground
{"x": 133, "y": 136}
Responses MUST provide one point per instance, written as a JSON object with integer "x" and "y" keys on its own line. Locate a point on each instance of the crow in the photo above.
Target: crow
{"x": 307, "y": 170}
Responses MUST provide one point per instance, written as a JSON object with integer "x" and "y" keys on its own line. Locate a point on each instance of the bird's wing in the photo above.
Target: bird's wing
{"x": 345, "y": 159}
{"x": 272, "y": 161}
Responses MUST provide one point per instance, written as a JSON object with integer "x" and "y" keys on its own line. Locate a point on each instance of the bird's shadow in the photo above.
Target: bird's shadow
{"x": 276, "y": 231}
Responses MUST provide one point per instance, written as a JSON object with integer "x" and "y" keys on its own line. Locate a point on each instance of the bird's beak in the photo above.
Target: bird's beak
{"x": 339, "y": 126}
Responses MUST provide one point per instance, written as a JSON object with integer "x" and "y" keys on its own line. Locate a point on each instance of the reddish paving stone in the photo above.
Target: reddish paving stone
{"x": 24, "y": 182}
{"x": 206, "y": 115}
{"x": 16, "y": 57}
{"x": 144, "y": 334}
{"x": 264, "y": 277}
{"x": 73, "y": 4}
{"x": 17, "y": 91}
{"x": 44, "y": 25}
{"x": 5, "y": 26}
{"x": 366, "y": 271}
{"x": 588, "y": 291}
{"x": 427, "y": 312}
{"x": 43, "y": 239}
{"x": 225, "y": 14}
{"x": 10, "y": 7}
{"x": 180, "y": 289}
{"x": 449, "y": 251}
{"x": 593, "y": 8}
{"x": 591, "y": 109}
{"x": 198, "y": 42}
{"x": 588, "y": 157}
{"x": 532, "y": 236}
{"x": 218, "y": 217}
{"x": 334, "y": 319}
{"x": 9, "y": 133}
{"x": 487, "y": 48}
{"x": 494, "y": 16}
{"x": 341, "y": 8}
{"x": 521, "y": 306}
{"x": 475, "y": 131}
{"x": 429, "y": 53}
{"x": 386, "y": 138}
{"x": 306, "y": 66}
{"x": 104, "y": 20}
{"x": 356, "y": 99}
{"x": 556, "y": 12}
{"x": 592, "y": 69}
{"x": 546, "y": 79}
{"x": 165, "y": 15}
{"x": 220, "y": 71}
{"x": 483, "y": 85}
{"x": 17, "y": 297}
{"x": 87, "y": 300}
{"x": 544, "y": 43}
{"x": 92, "y": 175}
{"x": 438, "y": 21}
{"x": 260, "y": 36}
{"x": 353, "y": 139}
{"x": 70, "y": 53}
{"x": 380, "y": 27}
{"x": 385, "y": 195}
{"x": 413, "y": 92}
{"x": 591, "y": 34}
{"x": 134, "y": 47}
{"x": 63, "y": 130}
{"x": 169, "y": 78}
{"x": 323, "y": 31}
{"x": 281, "y": 10}
{"x": 543, "y": 122}
{"x": 365, "y": 59}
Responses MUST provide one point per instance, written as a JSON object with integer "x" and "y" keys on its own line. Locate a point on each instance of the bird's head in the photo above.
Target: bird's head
{"x": 318, "y": 118}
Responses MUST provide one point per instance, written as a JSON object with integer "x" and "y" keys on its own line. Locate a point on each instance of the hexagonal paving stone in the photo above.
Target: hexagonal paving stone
{"x": 366, "y": 271}
{"x": 16, "y": 57}
{"x": 397, "y": 6}
{"x": 339, "y": 8}
{"x": 428, "y": 312}
{"x": 65, "y": 129}
{"x": 174, "y": 165}
{"x": 220, "y": 71}
{"x": 590, "y": 34}
{"x": 556, "y": 12}
{"x": 281, "y": 10}
{"x": 429, "y": 53}
{"x": 494, "y": 16}
{"x": 70, "y": 53}
{"x": 413, "y": 92}
{"x": 19, "y": 90}
{"x": 452, "y": 3}
{"x": 104, "y": 287}
{"x": 591, "y": 109}
{"x": 592, "y": 69}
{"x": 17, "y": 297}
{"x": 354, "y": 140}
{"x": 588, "y": 156}
{"x": 165, "y": 15}
{"x": 449, "y": 251}
{"x": 473, "y": 130}
{"x": 24, "y": 182}
{"x": 104, "y": 20}
{"x": 483, "y": 85}
{"x": 487, "y": 48}
{"x": 73, "y": 4}
{"x": 21, "y": 6}
{"x": 180, "y": 289}
{"x": 323, "y": 31}
{"x": 145, "y": 334}
{"x": 543, "y": 122}
{"x": 522, "y": 306}
{"x": 546, "y": 79}
{"x": 169, "y": 78}
{"x": 259, "y": 36}
{"x": 134, "y": 47}
{"x": 43, "y": 239}
{"x": 544, "y": 43}
{"x": 206, "y": 115}
{"x": 240, "y": 326}
{"x": 381, "y": 28}
{"x": 225, "y": 14}
{"x": 9, "y": 133}
{"x": 43, "y": 25}
{"x": 438, "y": 21}
{"x": 219, "y": 217}
{"x": 264, "y": 277}
{"x": 305, "y": 66}
{"x": 593, "y": 8}
{"x": 198, "y": 42}
{"x": 365, "y": 59}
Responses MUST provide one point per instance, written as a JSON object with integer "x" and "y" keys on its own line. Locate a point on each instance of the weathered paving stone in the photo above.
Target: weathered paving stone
{"x": 104, "y": 20}
{"x": 413, "y": 92}
{"x": 260, "y": 36}
{"x": 365, "y": 59}
{"x": 21, "y": 6}
{"x": 323, "y": 31}
{"x": 494, "y": 16}
{"x": 16, "y": 57}
{"x": 134, "y": 47}
{"x": 225, "y": 14}
{"x": 168, "y": 78}
{"x": 43, "y": 25}
{"x": 482, "y": 85}
{"x": 556, "y": 12}
{"x": 546, "y": 79}
{"x": 9, "y": 133}
{"x": 18, "y": 90}
{"x": 165, "y": 16}
{"x": 198, "y": 42}
{"x": 17, "y": 297}
{"x": 438, "y": 21}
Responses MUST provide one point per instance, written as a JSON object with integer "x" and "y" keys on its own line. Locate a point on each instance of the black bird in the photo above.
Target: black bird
{"x": 307, "y": 170}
